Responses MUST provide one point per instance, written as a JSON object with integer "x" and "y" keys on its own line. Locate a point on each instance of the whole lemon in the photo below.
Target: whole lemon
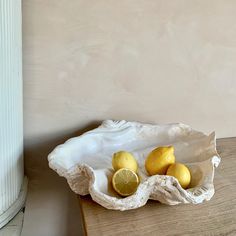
{"x": 159, "y": 160}
{"x": 123, "y": 159}
{"x": 181, "y": 173}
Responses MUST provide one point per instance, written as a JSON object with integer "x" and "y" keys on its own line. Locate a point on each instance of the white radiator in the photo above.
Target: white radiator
{"x": 12, "y": 189}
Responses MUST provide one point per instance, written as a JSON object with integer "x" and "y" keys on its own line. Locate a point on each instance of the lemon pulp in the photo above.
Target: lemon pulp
{"x": 125, "y": 182}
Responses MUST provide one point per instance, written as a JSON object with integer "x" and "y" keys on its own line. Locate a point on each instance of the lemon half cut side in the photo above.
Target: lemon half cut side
{"x": 125, "y": 182}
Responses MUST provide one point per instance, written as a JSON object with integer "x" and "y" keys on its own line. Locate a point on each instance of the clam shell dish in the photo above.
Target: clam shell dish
{"x": 85, "y": 161}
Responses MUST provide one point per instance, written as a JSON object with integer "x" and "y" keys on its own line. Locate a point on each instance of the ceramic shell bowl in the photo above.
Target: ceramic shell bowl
{"x": 85, "y": 161}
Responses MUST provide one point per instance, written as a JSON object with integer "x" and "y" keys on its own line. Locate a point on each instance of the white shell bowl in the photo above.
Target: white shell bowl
{"x": 85, "y": 162}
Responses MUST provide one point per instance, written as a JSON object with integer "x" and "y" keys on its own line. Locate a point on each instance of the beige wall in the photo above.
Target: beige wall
{"x": 152, "y": 61}
{"x": 147, "y": 60}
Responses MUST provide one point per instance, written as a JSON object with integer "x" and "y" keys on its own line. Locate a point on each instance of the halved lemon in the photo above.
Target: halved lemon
{"x": 125, "y": 182}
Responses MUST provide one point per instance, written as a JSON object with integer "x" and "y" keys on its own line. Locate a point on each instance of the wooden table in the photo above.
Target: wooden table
{"x": 216, "y": 217}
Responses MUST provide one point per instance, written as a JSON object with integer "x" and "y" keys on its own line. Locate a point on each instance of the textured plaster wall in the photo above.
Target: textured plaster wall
{"x": 152, "y": 61}
{"x": 148, "y": 60}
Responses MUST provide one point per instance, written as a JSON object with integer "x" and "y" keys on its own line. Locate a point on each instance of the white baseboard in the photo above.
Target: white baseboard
{"x": 6, "y": 216}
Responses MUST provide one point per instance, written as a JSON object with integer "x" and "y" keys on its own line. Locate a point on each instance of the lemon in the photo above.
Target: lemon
{"x": 125, "y": 182}
{"x": 124, "y": 159}
{"x": 181, "y": 173}
{"x": 159, "y": 160}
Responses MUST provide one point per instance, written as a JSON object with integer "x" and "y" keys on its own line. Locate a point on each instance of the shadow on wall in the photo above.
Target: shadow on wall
{"x": 36, "y": 151}
{"x": 49, "y": 196}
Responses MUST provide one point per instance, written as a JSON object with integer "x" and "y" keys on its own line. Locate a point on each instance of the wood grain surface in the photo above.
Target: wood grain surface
{"x": 215, "y": 217}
